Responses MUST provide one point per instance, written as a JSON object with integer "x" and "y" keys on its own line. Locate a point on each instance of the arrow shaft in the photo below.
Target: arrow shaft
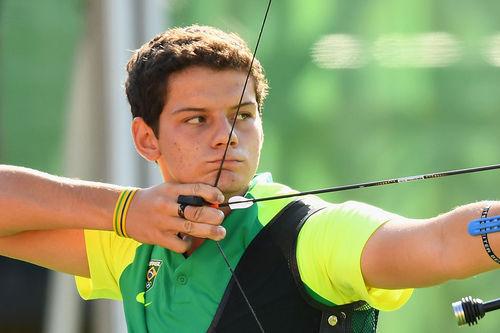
{"x": 375, "y": 183}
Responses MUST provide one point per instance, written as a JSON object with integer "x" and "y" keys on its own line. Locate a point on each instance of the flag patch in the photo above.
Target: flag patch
{"x": 152, "y": 272}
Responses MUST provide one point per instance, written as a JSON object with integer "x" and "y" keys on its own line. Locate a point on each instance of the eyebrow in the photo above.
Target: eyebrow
{"x": 194, "y": 109}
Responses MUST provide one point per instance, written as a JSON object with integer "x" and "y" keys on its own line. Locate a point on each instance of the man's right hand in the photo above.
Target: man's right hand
{"x": 153, "y": 216}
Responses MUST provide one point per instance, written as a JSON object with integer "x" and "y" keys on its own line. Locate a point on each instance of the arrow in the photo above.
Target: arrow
{"x": 238, "y": 202}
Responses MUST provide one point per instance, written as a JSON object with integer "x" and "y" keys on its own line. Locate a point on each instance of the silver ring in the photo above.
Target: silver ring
{"x": 180, "y": 210}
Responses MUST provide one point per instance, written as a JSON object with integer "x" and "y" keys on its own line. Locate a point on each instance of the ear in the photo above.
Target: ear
{"x": 145, "y": 140}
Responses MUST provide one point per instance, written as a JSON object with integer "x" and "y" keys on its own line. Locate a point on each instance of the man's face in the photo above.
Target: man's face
{"x": 194, "y": 128}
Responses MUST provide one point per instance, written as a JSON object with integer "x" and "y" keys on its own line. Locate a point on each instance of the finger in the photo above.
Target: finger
{"x": 185, "y": 237}
{"x": 200, "y": 230}
{"x": 174, "y": 243}
{"x": 203, "y": 214}
{"x": 209, "y": 193}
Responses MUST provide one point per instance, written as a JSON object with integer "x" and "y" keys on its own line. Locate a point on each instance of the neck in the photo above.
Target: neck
{"x": 228, "y": 195}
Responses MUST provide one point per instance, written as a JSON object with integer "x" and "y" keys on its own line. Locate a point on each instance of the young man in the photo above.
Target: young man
{"x": 298, "y": 263}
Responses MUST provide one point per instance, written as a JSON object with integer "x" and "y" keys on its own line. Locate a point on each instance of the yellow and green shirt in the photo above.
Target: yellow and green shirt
{"x": 164, "y": 291}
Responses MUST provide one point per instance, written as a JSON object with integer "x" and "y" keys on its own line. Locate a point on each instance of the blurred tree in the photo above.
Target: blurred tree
{"x": 37, "y": 42}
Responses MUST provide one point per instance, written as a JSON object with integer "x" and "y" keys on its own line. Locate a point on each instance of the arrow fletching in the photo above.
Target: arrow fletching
{"x": 238, "y": 202}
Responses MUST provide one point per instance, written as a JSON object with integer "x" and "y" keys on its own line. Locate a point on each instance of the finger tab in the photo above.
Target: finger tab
{"x": 191, "y": 200}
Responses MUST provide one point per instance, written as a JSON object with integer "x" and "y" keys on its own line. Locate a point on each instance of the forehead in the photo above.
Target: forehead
{"x": 198, "y": 86}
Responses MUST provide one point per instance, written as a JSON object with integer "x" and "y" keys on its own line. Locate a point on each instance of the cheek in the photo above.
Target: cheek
{"x": 183, "y": 154}
{"x": 176, "y": 153}
{"x": 255, "y": 148}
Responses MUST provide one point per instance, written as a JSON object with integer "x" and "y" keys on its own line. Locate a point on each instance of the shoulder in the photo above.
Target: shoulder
{"x": 351, "y": 214}
{"x": 108, "y": 255}
{"x": 262, "y": 188}
{"x": 108, "y": 251}
{"x": 266, "y": 189}
{"x": 109, "y": 240}
{"x": 329, "y": 251}
{"x": 345, "y": 225}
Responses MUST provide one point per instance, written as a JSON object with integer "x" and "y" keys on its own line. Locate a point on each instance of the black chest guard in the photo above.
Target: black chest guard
{"x": 269, "y": 276}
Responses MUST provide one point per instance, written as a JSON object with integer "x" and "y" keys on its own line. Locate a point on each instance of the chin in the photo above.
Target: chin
{"x": 234, "y": 184}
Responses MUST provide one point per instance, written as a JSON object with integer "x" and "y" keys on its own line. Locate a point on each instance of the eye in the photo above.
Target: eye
{"x": 196, "y": 120}
{"x": 244, "y": 115}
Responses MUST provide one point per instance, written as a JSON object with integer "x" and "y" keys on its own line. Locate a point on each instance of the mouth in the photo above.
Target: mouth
{"x": 230, "y": 164}
{"x": 227, "y": 160}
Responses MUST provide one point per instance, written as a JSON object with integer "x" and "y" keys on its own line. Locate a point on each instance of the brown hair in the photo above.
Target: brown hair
{"x": 176, "y": 49}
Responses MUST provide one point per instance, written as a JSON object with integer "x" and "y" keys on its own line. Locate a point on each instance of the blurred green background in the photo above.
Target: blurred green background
{"x": 324, "y": 126}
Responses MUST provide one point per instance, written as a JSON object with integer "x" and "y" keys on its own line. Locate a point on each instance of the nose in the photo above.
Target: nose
{"x": 222, "y": 132}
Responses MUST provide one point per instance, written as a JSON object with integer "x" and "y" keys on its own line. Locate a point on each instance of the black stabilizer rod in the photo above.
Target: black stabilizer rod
{"x": 469, "y": 310}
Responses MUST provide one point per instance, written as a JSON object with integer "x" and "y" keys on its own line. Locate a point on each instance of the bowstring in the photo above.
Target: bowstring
{"x": 219, "y": 172}
{"x": 242, "y": 95}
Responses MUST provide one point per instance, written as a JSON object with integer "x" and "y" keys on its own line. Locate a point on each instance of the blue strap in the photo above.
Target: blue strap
{"x": 484, "y": 225}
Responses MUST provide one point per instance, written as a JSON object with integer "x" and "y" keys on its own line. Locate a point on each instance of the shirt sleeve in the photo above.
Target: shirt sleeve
{"x": 108, "y": 255}
{"x": 329, "y": 249}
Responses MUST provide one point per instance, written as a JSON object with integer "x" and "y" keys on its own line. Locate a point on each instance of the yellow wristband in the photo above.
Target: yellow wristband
{"x": 121, "y": 209}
